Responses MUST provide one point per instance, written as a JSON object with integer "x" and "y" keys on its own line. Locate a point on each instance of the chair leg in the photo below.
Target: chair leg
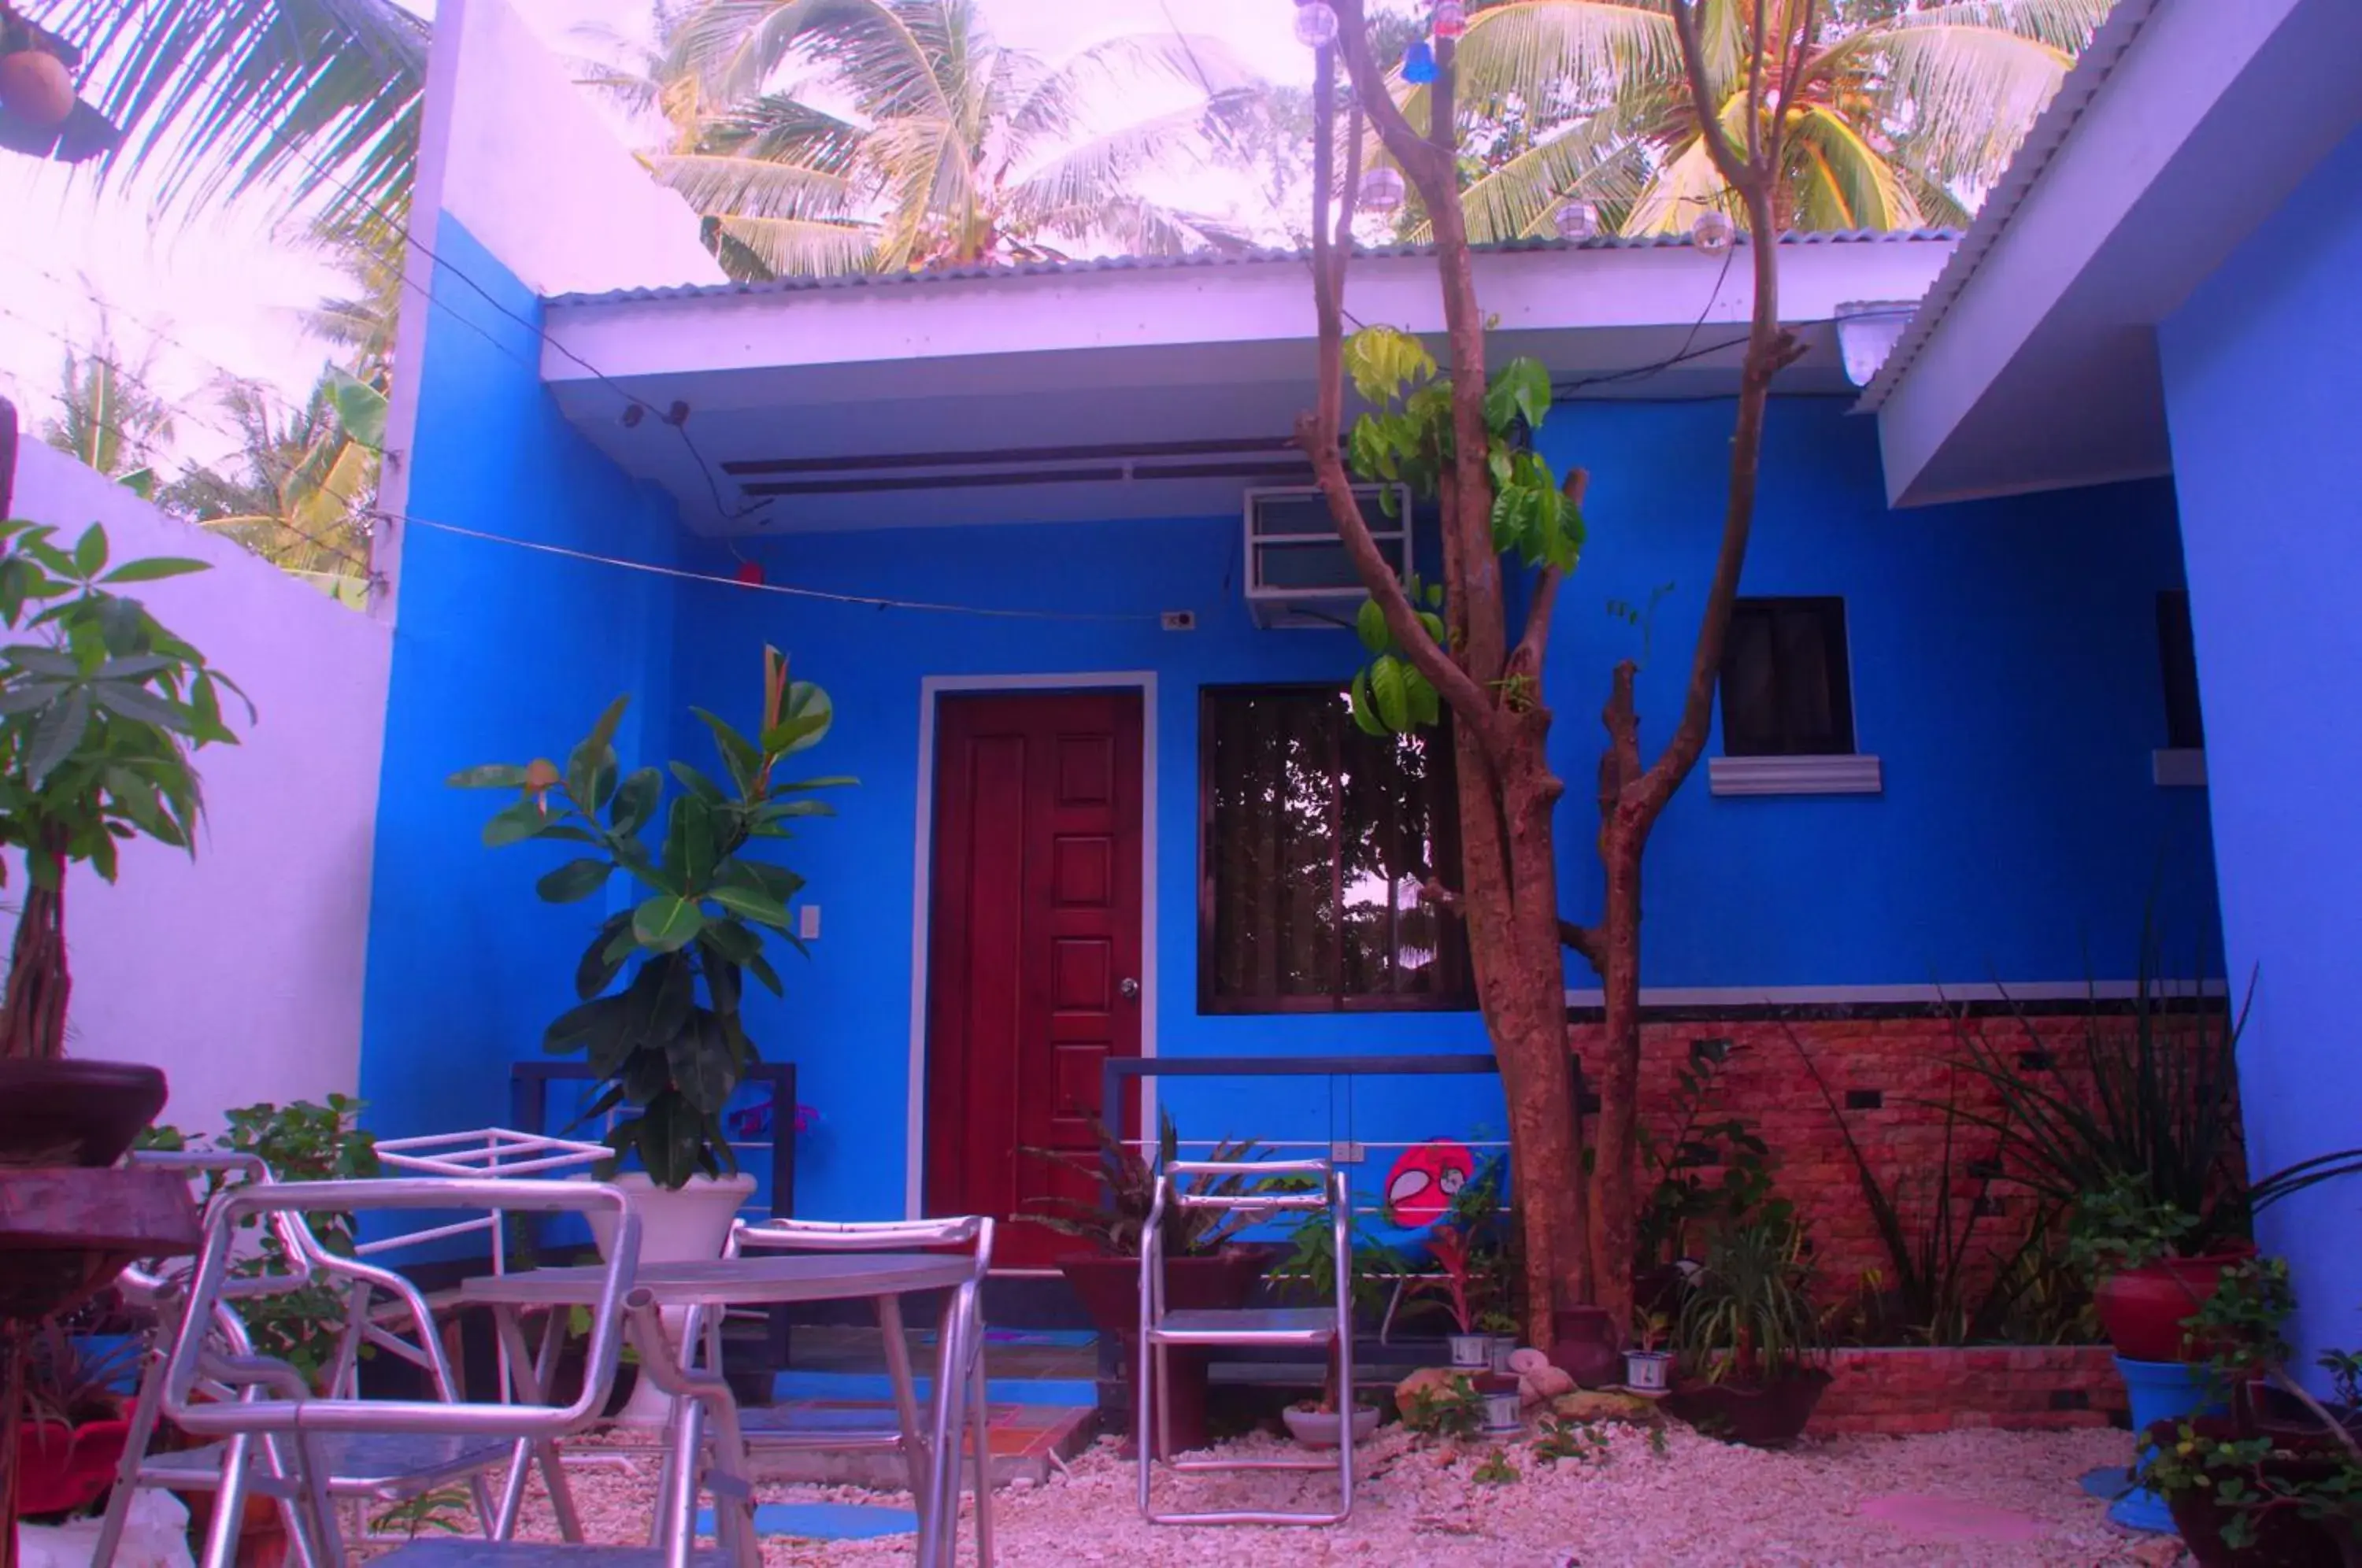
{"x": 981, "y": 1426}
{"x": 145, "y": 1409}
{"x": 229, "y": 1504}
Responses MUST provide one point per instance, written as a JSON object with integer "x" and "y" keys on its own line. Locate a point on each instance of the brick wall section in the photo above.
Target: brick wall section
{"x": 1905, "y": 1062}
{"x": 2017, "y": 1388}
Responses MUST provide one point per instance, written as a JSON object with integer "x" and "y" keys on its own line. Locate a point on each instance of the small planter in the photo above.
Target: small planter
{"x": 1503, "y": 1347}
{"x": 2141, "y": 1309}
{"x": 2284, "y": 1537}
{"x": 1504, "y": 1409}
{"x": 1316, "y": 1428}
{"x": 64, "y": 1470}
{"x": 1645, "y": 1371}
{"x": 1760, "y": 1415}
{"x": 75, "y": 1112}
{"x": 1471, "y": 1352}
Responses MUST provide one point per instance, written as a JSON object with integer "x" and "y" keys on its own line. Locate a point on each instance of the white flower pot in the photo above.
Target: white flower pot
{"x": 691, "y": 1225}
{"x": 1473, "y": 1352}
{"x": 1317, "y": 1428}
{"x": 1644, "y": 1370}
{"x": 1505, "y": 1411}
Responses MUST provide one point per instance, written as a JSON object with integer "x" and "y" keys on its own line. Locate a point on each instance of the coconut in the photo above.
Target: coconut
{"x": 36, "y": 88}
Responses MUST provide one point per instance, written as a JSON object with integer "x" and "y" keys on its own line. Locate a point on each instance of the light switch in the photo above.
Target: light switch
{"x": 808, "y": 922}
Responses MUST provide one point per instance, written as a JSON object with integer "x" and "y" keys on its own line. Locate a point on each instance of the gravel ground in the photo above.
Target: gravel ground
{"x": 1697, "y": 1502}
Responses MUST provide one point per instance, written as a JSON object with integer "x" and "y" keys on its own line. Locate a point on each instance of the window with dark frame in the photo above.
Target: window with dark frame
{"x": 1316, "y": 843}
{"x": 2185, "y": 728}
{"x": 1787, "y": 689}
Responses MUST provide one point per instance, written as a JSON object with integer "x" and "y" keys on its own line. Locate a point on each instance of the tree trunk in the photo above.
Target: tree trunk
{"x": 33, "y": 1018}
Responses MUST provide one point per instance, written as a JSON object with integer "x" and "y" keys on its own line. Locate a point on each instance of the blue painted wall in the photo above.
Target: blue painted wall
{"x": 499, "y": 655}
{"x": 2006, "y": 668}
{"x": 2261, "y": 388}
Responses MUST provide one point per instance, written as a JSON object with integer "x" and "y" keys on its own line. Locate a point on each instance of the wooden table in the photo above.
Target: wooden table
{"x": 882, "y": 1277}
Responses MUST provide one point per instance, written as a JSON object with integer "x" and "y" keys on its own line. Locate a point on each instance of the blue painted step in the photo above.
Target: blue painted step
{"x": 875, "y": 1387}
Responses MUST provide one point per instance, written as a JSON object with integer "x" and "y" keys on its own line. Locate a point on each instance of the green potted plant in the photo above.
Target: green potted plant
{"x": 2137, "y": 1148}
{"x": 661, "y": 982}
{"x": 1644, "y": 1367}
{"x": 1750, "y": 1337}
{"x": 2272, "y": 1477}
{"x": 1205, "y": 1266}
{"x": 101, "y": 710}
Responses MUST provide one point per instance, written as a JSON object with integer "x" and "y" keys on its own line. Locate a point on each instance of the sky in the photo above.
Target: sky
{"x": 197, "y": 298}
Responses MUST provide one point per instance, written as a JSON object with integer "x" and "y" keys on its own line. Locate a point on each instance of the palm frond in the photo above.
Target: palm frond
{"x": 777, "y": 126}
{"x": 1960, "y": 97}
{"x": 1590, "y": 160}
{"x": 220, "y": 96}
{"x": 802, "y": 248}
{"x": 752, "y": 187}
{"x": 1542, "y": 53}
{"x": 1839, "y": 181}
{"x": 1097, "y": 171}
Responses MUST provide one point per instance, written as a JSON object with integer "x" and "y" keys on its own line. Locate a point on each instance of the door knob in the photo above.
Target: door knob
{"x": 1129, "y": 987}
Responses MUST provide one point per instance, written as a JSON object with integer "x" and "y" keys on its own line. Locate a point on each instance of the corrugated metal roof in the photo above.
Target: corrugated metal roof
{"x": 2048, "y": 134}
{"x": 1201, "y": 259}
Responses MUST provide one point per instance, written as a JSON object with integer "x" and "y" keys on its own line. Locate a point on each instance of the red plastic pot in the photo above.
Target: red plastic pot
{"x": 60, "y": 1470}
{"x": 2141, "y": 1309}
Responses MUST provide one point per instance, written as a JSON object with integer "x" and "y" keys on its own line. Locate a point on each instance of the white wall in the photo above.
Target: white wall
{"x": 238, "y": 973}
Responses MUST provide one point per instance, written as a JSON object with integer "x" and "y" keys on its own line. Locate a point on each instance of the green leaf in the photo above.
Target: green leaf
{"x": 1369, "y": 623}
{"x": 55, "y": 735}
{"x": 1388, "y": 694}
{"x": 1383, "y": 360}
{"x": 688, "y": 842}
{"x": 602, "y": 733}
{"x": 698, "y": 784}
{"x": 601, "y": 961}
{"x": 360, "y": 409}
{"x": 490, "y": 776}
{"x": 636, "y": 802}
{"x": 761, "y": 907}
{"x": 1366, "y": 718}
{"x": 90, "y": 552}
{"x": 809, "y": 715}
{"x": 739, "y": 758}
{"x": 591, "y": 773}
{"x": 703, "y": 1068}
{"x": 760, "y": 968}
{"x": 519, "y": 822}
{"x": 1426, "y": 702}
{"x": 667, "y": 924}
{"x": 132, "y": 702}
{"x": 155, "y": 568}
{"x": 1521, "y": 388}
{"x": 574, "y": 881}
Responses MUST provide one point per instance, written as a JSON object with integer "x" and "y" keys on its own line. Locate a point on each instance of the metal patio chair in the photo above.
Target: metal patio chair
{"x": 1162, "y": 1330}
{"x": 300, "y": 1432}
{"x": 387, "y": 1470}
{"x": 959, "y": 1353}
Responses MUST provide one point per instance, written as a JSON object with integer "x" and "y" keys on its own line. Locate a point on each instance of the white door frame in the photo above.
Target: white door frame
{"x": 931, "y": 688}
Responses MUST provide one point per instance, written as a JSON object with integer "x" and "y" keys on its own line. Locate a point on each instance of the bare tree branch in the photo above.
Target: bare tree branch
{"x": 1527, "y": 658}
{"x": 1718, "y": 144}
{"x": 1589, "y": 941}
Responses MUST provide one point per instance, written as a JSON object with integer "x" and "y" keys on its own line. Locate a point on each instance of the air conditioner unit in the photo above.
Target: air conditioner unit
{"x": 1298, "y": 571}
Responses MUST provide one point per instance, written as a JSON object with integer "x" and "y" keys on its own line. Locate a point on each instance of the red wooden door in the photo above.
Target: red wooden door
{"x": 1033, "y": 949}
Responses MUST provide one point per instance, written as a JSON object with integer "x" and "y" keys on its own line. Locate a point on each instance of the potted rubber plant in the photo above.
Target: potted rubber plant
{"x": 1750, "y": 1337}
{"x": 101, "y": 710}
{"x": 661, "y": 982}
{"x": 1207, "y": 1267}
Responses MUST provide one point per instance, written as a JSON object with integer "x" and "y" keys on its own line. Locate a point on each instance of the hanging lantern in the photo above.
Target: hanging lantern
{"x": 1713, "y": 233}
{"x": 1381, "y": 190}
{"x": 1316, "y": 23}
{"x": 1450, "y": 18}
{"x": 1419, "y": 63}
{"x": 1576, "y": 220}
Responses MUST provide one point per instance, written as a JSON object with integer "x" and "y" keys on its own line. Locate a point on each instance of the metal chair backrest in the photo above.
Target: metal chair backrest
{"x": 288, "y": 1406}
{"x": 968, "y": 1231}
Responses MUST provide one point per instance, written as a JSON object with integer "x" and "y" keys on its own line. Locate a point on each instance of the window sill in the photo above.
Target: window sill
{"x": 1850, "y": 775}
{"x": 2179, "y": 768}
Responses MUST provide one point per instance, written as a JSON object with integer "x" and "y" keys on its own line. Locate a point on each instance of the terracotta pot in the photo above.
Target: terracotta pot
{"x": 1584, "y": 1345}
{"x": 262, "y": 1533}
{"x": 2283, "y": 1537}
{"x": 1760, "y": 1415}
{"x": 2141, "y": 1309}
{"x": 37, "y": 88}
{"x": 1109, "y": 1289}
{"x": 75, "y": 1112}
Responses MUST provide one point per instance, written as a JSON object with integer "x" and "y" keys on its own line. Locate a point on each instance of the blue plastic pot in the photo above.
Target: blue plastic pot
{"x": 2159, "y": 1391}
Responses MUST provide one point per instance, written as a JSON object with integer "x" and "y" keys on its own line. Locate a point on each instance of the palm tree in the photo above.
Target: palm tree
{"x": 1909, "y": 110}
{"x": 952, "y": 149}
{"x": 107, "y": 416}
{"x": 307, "y": 477}
{"x": 311, "y": 97}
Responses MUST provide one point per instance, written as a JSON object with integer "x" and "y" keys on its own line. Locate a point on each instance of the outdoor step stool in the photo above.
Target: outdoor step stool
{"x": 1309, "y": 1185}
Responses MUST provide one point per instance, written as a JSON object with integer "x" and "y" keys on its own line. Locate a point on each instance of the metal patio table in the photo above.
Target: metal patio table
{"x": 882, "y": 1277}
